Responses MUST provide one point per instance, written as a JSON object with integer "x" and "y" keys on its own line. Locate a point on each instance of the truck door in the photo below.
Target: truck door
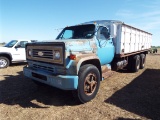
{"x": 105, "y": 47}
{"x": 19, "y": 51}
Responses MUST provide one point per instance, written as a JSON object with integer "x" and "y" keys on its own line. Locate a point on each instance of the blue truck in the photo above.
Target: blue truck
{"x": 85, "y": 54}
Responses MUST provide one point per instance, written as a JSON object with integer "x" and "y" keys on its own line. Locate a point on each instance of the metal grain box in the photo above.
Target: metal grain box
{"x": 128, "y": 39}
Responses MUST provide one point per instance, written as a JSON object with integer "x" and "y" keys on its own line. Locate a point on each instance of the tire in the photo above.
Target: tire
{"x": 142, "y": 60}
{"x": 88, "y": 84}
{"x": 129, "y": 66}
{"x": 135, "y": 63}
{"x": 4, "y": 62}
{"x": 156, "y": 50}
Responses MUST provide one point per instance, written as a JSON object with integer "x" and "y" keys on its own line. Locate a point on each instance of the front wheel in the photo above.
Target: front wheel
{"x": 88, "y": 84}
{"x": 4, "y": 62}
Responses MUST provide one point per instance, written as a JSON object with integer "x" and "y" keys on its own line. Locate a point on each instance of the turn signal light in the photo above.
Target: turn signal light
{"x": 73, "y": 57}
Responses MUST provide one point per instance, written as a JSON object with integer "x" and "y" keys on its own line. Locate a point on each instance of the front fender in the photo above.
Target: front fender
{"x": 6, "y": 54}
{"x": 86, "y": 57}
{"x": 73, "y": 66}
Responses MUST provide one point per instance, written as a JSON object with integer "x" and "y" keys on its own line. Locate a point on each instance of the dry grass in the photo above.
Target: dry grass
{"x": 122, "y": 96}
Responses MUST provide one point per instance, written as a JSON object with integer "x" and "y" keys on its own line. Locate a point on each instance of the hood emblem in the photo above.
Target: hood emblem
{"x": 40, "y": 53}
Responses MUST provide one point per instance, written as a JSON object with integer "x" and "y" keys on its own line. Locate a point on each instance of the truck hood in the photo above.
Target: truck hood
{"x": 77, "y": 45}
{"x": 5, "y": 49}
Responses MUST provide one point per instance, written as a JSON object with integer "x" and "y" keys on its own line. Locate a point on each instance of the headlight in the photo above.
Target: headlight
{"x": 56, "y": 55}
{"x": 29, "y": 52}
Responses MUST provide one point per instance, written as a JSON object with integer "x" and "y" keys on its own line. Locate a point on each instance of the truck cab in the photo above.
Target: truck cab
{"x": 76, "y": 60}
{"x": 13, "y": 51}
{"x": 95, "y": 38}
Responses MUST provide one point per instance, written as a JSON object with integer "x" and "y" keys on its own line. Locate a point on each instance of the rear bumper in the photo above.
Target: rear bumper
{"x": 59, "y": 81}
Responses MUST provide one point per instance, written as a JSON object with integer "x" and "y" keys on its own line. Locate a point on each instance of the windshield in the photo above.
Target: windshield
{"x": 77, "y": 32}
{"x": 11, "y": 43}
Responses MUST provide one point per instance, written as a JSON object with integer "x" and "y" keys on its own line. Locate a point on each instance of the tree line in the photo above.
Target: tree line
{"x": 2, "y": 43}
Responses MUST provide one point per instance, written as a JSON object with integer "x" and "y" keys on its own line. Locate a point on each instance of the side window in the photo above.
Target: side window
{"x": 22, "y": 44}
{"x": 67, "y": 34}
{"x": 103, "y": 33}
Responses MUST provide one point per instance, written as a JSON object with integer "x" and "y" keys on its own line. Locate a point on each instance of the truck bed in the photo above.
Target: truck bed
{"x": 130, "y": 40}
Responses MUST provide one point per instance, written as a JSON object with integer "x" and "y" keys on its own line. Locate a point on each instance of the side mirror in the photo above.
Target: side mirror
{"x": 18, "y": 46}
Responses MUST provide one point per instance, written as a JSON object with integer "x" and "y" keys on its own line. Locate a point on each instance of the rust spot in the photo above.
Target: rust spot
{"x": 93, "y": 45}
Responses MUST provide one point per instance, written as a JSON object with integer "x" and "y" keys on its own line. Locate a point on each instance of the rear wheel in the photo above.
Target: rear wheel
{"x": 4, "y": 62}
{"x": 135, "y": 63}
{"x": 129, "y": 66}
{"x": 88, "y": 84}
{"x": 142, "y": 60}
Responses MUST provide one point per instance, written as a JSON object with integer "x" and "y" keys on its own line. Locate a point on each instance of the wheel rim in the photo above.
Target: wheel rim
{"x": 3, "y": 63}
{"x": 90, "y": 84}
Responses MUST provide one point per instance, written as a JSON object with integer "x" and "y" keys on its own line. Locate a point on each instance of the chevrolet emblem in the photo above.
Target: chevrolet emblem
{"x": 40, "y": 53}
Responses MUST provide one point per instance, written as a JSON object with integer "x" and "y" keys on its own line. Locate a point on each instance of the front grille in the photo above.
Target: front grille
{"x": 42, "y": 53}
{"x": 45, "y": 52}
{"x": 49, "y": 69}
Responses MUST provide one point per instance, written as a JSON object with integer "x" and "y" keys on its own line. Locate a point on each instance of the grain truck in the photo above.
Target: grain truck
{"x": 85, "y": 54}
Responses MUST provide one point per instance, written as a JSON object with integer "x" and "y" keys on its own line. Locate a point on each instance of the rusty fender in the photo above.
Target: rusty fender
{"x": 84, "y": 57}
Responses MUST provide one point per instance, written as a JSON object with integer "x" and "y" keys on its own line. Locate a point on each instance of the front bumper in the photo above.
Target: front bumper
{"x": 59, "y": 81}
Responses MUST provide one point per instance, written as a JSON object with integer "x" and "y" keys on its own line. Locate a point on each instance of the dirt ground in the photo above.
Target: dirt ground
{"x": 124, "y": 96}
